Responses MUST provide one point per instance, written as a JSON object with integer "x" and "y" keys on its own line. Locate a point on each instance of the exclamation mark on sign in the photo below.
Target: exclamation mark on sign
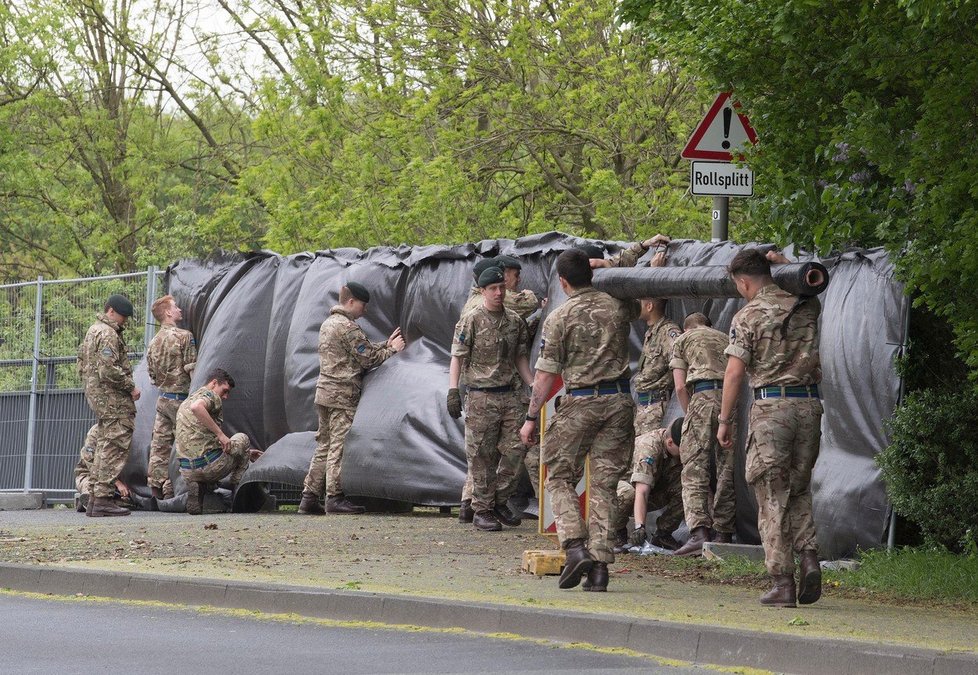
{"x": 727, "y": 115}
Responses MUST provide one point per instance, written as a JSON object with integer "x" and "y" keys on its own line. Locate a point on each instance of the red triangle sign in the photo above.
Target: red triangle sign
{"x": 723, "y": 131}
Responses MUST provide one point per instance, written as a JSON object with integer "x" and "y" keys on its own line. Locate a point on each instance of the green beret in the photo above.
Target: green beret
{"x": 592, "y": 250}
{"x": 493, "y": 275}
{"x": 676, "y": 430}
{"x": 508, "y": 262}
{"x": 482, "y": 266}
{"x": 358, "y": 291}
{"x": 120, "y": 304}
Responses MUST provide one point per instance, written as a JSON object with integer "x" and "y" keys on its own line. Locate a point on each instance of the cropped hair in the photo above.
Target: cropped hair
{"x": 221, "y": 376}
{"x": 575, "y": 268}
{"x": 697, "y": 319}
{"x": 160, "y": 306}
{"x": 750, "y": 262}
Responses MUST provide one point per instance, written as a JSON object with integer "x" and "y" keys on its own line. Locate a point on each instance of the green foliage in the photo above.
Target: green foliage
{"x": 913, "y": 573}
{"x": 931, "y": 466}
{"x": 865, "y": 112}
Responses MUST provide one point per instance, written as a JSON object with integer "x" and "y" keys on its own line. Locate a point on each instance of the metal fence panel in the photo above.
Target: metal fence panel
{"x": 43, "y": 414}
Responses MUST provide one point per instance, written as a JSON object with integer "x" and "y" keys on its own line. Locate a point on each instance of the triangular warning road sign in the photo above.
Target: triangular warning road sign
{"x": 722, "y": 132}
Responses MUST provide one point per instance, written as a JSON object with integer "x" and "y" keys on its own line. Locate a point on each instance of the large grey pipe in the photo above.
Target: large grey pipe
{"x": 810, "y": 278}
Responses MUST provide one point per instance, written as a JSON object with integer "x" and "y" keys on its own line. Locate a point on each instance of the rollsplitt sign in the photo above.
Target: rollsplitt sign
{"x": 720, "y": 179}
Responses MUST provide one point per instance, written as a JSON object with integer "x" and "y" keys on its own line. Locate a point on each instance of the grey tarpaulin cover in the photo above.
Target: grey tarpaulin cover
{"x": 258, "y": 316}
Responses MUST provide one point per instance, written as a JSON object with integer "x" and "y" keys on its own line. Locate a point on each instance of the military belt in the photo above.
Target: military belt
{"x": 208, "y": 457}
{"x": 493, "y": 390}
{"x": 707, "y": 385}
{"x": 807, "y": 391}
{"x": 603, "y": 389}
{"x": 650, "y": 397}
{"x": 174, "y": 397}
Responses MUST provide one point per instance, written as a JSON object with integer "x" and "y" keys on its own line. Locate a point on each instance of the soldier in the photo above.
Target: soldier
{"x": 655, "y": 482}
{"x": 491, "y": 350}
{"x": 653, "y": 385}
{"x": 170, "y": 359}
{"x": 698, "y": 363}
{"x": 86, "y": 457}
{"x": 585, "y": 340}
{"x": 103, "y": 364}
{"x": 344, "y": 355}
{"x": 205, "y": 453}
{"x": 774, "y": 339}
{"x": 626, "y": 257}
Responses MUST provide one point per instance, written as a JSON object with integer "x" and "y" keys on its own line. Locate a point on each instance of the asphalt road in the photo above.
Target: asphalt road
{"x": 77, "y": 636}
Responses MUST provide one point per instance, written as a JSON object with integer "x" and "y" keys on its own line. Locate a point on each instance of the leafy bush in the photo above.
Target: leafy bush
{"x": 931, "y": 466}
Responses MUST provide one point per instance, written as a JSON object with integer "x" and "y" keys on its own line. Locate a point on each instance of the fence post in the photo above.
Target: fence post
{"x": 32, "y": 409}
{"x": 148, "y": 330}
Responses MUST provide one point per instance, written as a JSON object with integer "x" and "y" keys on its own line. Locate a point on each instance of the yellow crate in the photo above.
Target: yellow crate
{"x": 543, "y": 563}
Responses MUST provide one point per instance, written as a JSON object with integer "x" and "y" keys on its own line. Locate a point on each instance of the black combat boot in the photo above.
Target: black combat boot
{"x": 723, "y": 537}
{"x": 103, "y": 507}
{"x": 782, "y": 594}
{"x": 810, "y": 582}
{"x": 486, "y": 521}
{"x": 195, "y": 500}
{"x": 309, "y": 505}
{"x": 597, "y": 578}
{"x": 694, "y": 545}
{"x": 578, "y": 563}
{"x": 465, "y": 512}
{"x": 340, "y": 504}
{"x": 665, "y": 541}
{"x": 505, "y": 516}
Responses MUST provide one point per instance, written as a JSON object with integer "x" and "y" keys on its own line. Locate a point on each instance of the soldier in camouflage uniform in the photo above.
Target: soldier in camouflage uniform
{"x": 698, "y": 364}
{"x": 170, "y": 359}
{"x": 83, "y": 469}
{"x": 627, "y": 257}
{"x": 774, "y": 340}
{"x": 205, "y": 454}
{"x": 585, "y": 340}
{"x": 490, "y": 351}
{"x": 528, "y": 307}
{"x": 655, "y": 484}
{"x": 103, "y": 364}
{"x": 344, "y": 355}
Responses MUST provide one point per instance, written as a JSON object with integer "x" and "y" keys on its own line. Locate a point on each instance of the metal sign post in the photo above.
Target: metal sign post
{"x": 721, "y": 218}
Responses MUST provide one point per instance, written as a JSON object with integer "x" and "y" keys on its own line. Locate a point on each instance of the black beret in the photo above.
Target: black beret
{"x": 676, "y": 430}
{"x": 120, "y": 304}
{"x": 482, "y": 266}
{"x": 493, "y": 275}
{"x": 358, "y": 291}
{"x": 508, "y": 262}
{"x": 592, "y": 250}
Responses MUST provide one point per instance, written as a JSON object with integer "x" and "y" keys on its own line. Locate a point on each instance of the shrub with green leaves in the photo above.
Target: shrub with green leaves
{"x": 931, "y": 466}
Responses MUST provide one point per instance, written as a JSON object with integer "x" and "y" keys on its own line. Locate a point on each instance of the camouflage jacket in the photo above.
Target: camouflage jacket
{"x": 699, "y": 352}
{"x": 628, "y": 257}
{"x": 170, "y": 358}
{"x": 654, "y": 373}
{"x": 103, "y": 364}
{"x": 488, "y": 345}
{"x": 345, "y": 354}
{"x": 193, "y": 438}
{"x": 585, "y": 340}
{"x": 756, "y": 339}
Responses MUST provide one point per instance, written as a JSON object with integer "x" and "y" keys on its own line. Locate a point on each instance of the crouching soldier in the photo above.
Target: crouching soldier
{"x": 205, "y": 453}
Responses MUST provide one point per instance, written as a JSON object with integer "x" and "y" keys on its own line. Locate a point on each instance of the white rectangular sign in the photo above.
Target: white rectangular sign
{"x": 721, "y": 179}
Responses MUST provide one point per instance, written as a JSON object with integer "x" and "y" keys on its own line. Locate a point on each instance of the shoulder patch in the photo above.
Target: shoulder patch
{"x": 193, "y": 341}
{"x": 361, "y": 348}
{"x": 461, "y": 338}
{"x": 733, "y": 334}
{"x": 674, "y": 333}
{"x": 543, "y": 344}
{"x": 108, "y": 353}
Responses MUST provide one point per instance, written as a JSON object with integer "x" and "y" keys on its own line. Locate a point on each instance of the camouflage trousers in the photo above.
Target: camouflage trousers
{"x": 782, "y": 447}
{"x": 327, "y": 462}
{"x": 83, "y": 470}
{"x": 158, "y": 473}
{"x": 532, "y": 458}
{"x": 111, "y": 452}
{"x": 649, "y": 417}
{"x": 663, "y": 475}
{"x": 602, "y": 427}
{"x": 699, "y": 452}
{"x": 232, "y": 463}
{"x": 493, "y": 450}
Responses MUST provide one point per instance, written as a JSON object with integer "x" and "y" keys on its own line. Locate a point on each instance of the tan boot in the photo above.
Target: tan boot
{"x": 810, "y": 580}
{"x": 782, "y": 594}
{"x": 103, "y": 507}
{"x": 694, "y": 545}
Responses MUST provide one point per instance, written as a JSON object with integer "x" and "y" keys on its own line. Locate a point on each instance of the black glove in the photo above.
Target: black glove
{"x": 454, "y": 403}
{"x": 637, "y": 536}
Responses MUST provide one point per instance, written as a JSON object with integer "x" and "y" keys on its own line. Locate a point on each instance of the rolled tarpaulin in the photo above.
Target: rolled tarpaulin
{"x": 711, "y": 281}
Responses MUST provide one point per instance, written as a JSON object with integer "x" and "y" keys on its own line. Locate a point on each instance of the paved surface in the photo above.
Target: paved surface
{"x": 427, "y": 569}
{"x": 36, "y": 636}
